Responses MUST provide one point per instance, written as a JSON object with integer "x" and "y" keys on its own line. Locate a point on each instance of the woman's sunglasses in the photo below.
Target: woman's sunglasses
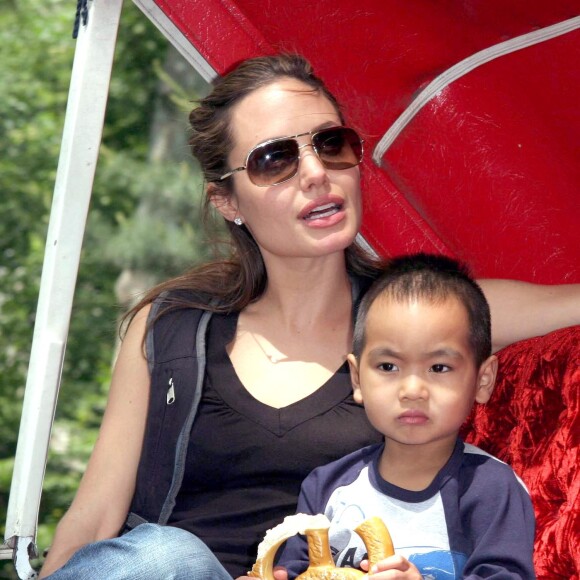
{"x": 277, "y": 160}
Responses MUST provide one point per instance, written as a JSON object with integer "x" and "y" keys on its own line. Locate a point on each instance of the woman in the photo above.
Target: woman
{"x": 284, "y": 173}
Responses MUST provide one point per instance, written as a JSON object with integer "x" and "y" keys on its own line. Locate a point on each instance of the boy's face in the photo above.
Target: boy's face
{"x": 417, "y": 375}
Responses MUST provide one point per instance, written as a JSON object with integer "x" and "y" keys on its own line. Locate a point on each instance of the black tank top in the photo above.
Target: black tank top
{"x": 246, "y": 460}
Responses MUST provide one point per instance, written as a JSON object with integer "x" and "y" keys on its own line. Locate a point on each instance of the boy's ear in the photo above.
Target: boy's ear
{"x": 486, "y": 379}
{"x": 354, "y": 378}
{"x": 223, "y": 203}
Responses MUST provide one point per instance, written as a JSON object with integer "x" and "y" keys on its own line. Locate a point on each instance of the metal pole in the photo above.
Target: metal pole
{"x": 82, "y": 134}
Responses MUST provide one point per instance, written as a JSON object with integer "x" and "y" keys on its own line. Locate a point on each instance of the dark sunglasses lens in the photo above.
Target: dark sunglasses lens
{"x": 338, "y": 147}
{"x": 274, "y": 162}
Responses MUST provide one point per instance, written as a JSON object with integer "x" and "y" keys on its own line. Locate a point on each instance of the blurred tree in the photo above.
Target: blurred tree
{"x": 143, "y": 220}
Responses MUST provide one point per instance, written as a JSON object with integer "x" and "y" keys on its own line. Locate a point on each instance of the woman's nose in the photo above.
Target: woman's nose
{"x": 312, "y": 171}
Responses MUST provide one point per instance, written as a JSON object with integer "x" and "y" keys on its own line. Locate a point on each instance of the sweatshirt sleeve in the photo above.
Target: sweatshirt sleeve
{"x": 502, "y": 523}
{"x": 294, "y": 556}
{"x": 316, "y": 497}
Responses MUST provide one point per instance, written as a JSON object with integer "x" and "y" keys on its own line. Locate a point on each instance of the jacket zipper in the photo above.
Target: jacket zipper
{"x": 170, "y": 392}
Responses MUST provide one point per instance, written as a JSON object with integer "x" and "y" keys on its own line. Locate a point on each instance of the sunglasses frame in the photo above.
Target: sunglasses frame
{"x": 293, "y": 138}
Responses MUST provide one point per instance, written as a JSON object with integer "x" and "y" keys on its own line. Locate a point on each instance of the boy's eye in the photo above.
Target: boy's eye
{"x": 388, "y": 367}
{"x": 440, "y": 368}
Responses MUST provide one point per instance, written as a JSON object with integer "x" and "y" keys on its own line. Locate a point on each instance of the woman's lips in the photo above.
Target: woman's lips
{"x": 321, "y": 204}
{"x": 323, "y": 212}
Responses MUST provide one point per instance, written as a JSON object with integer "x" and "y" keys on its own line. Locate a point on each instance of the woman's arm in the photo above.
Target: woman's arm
{"x": 102, "y": 501}
{"x": 521, "y": 310}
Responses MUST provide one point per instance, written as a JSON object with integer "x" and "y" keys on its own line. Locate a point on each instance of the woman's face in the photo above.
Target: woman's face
{"x": 315, "y": 213}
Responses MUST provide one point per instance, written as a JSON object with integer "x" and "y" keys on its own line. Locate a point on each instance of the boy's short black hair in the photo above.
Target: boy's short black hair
{"x": 434, "y": 278}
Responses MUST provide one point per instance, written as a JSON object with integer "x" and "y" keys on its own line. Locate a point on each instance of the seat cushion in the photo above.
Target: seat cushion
{"x": 532, "y": 422}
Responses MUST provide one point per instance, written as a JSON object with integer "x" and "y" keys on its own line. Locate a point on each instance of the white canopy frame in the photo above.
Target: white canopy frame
{"x": 83, "y": 128}
{"x": 82, "y": 134}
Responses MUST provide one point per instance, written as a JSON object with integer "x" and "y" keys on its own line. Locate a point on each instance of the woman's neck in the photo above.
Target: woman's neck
{"x": 296, "y": 335}
{"x": 301, "y": 293}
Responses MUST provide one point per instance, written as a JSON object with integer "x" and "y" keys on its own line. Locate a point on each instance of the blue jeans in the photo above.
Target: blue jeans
{"x": 148, "y": 552}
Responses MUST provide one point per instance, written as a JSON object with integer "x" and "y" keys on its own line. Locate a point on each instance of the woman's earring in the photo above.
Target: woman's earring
{"x": 238, "y": 221}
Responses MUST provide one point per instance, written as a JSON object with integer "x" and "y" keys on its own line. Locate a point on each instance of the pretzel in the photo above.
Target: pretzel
{"x": 373, "y": 532}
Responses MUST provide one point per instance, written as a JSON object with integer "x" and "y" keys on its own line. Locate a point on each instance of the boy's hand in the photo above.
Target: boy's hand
{"x": 392, "y": 568}
{"x": 280, "y": 573}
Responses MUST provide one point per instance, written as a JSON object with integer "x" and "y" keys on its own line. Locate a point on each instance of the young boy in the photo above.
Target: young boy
{"x": 421, "y": 358}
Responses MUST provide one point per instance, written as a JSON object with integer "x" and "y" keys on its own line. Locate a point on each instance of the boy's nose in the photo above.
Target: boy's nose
{"x": 412, "y": 387}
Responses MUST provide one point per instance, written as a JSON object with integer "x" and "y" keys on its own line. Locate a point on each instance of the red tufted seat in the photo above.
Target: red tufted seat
{"x": 532, "y": 422}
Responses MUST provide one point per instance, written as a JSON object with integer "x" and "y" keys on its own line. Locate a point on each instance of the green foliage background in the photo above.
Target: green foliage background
{"x": 144, "y": 216}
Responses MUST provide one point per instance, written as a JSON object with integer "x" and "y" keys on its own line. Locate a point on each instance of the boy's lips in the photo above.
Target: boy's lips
{"x": 413, "y": 417}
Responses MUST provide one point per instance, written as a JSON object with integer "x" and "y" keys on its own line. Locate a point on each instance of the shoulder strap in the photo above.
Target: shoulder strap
{"x": 175, "y": 345}
{"x": 184, "y": 435}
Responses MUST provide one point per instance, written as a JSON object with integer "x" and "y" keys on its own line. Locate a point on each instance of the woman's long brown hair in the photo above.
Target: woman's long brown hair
{"x": 230, "y": 284}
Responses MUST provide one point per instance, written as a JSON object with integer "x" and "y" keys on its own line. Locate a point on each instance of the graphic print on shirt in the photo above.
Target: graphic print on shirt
{"x": 419, "y": 530}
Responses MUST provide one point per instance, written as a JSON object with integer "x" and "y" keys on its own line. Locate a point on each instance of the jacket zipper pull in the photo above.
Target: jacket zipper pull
{"x": 170, "y": 393}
